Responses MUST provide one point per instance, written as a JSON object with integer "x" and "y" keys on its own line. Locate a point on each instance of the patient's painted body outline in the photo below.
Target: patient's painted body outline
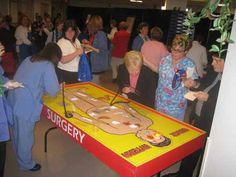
{"x": 118, "y": 118}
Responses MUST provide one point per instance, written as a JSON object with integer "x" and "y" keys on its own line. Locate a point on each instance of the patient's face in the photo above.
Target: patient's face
{"x": 134, "y": 70}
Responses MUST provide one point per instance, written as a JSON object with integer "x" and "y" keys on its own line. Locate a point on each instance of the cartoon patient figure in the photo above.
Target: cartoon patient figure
{"x": 118, "y": 118}
{"x": 153, "y": 137}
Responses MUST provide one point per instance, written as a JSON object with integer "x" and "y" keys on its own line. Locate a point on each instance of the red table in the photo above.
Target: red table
{"x": 105, "y": 135}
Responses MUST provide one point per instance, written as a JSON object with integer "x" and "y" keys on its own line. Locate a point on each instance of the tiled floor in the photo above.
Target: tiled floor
{"x": 64, "y": 158}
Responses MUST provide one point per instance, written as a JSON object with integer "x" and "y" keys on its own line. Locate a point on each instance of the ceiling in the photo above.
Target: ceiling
{"x": 196, "y": 5}
{"x": 119, "y": 3}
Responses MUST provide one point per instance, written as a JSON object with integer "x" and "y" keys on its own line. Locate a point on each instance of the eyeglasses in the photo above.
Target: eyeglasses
{"x": 177, "y": 79}
{"x": 176, "y": 50}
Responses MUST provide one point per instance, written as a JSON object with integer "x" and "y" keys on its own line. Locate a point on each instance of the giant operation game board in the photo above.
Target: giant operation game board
{"x": 132, "y": 139}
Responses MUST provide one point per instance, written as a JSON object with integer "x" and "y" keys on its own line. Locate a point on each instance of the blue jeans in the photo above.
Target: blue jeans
{"x": 24, "y": 52}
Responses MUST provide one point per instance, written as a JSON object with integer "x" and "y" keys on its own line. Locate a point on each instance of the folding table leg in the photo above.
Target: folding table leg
{"x": 46, "y": 137}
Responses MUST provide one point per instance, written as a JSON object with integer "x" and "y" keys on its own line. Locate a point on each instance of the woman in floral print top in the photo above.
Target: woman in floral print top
{"x": 176, "y": 75}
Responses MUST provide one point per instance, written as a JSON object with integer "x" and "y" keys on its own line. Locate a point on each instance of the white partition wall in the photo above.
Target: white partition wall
{"x": 220, "y": 154}
{"x": 181, "y": 4}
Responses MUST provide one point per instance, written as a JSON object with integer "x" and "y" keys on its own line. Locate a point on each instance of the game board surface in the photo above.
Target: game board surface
{"x": 132, "y": 133}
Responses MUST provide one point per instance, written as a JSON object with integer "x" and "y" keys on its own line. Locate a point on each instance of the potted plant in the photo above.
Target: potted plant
{"x": 222, "y": 23}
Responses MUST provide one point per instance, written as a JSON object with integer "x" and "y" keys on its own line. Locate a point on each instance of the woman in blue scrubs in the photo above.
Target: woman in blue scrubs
{"x": 4, "y": 133}
{"x": 37, "y": 74}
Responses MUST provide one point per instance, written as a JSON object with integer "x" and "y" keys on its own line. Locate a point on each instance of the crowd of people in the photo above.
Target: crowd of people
{"x": 150, "y": 73}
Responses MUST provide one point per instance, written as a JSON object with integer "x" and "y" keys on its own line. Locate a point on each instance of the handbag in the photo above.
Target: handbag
{"x": 84, "y": 70}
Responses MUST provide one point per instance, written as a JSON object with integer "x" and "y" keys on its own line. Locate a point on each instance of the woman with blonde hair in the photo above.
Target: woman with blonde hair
{"x": 135, "y": 80}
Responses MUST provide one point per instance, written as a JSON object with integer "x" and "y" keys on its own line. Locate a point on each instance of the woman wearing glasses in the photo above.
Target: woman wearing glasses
{"x": 176, "y": 75}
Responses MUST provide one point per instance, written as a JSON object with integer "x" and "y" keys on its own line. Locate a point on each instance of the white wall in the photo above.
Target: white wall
{"x": 220, "y": 154}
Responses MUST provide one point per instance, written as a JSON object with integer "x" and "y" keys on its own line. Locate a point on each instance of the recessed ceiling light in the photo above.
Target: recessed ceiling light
{"x": 139, "y": 1}
{"x": 163, "y": 7}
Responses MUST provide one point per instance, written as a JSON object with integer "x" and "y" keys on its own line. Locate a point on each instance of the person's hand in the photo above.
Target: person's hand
{"x": 12, "y": 84}
{"x": 89, "y": 48}
{"x": 126, "y": 90}
{"x": 124, "y": 95}
{"x": 188, "y": 82}
{"x": 80, "y": 51}
{"x": 132, "y": 90}
{"x": 86, "y": 46}
{"x": 202, "y": 96}
{"x": 85, "y": 41}
{"x": 1, "y": 49}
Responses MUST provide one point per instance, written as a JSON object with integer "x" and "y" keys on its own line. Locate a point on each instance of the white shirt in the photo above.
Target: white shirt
{"x": 199, "y": 55}
{"x": 67, "y": 47}
{"x": 21, "y": 35}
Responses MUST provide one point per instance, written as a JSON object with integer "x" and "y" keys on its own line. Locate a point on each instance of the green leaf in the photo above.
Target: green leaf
{"x": 230, "y": 41}
{"x": 189, "y": 13}
{"x": 219, "y": 40}
{"x": 215, "y": 29}
{"x": 216, "y": 22}
{"x": 224, "y": 36}
{"x": 195, "y": 20}
{"x": 204, "y": 11}
{"x": 186, "y": 23}
{"x": 214, "y": 48}
{"x": 213, "y": 6}
{"x": 223, "y": 50}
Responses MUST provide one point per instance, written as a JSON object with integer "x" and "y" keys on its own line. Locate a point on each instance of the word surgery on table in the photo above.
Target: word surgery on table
{"x": 66, "y": 126}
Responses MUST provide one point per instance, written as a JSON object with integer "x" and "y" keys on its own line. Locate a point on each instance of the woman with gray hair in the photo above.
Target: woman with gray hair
{"x": 154, "y": 50}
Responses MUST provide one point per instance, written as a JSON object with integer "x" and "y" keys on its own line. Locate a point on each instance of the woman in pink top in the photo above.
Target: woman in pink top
{"x": 137, "y": 81}
{"x": 154, "y": 50}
